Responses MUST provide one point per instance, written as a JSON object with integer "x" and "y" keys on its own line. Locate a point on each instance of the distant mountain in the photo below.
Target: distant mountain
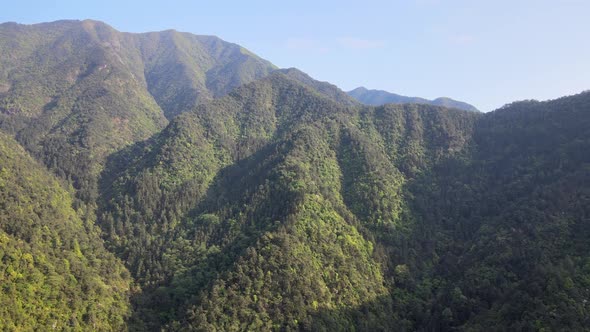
{"x": 380, "y": 97}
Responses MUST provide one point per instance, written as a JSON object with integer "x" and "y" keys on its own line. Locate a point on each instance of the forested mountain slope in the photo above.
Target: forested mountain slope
{"x": 54, "y": 270}
{"x": 72, "y": 92}
{"x": 278, "y": 208}
{"x": 170, "y": 173}
{"x": 272, "y": 159}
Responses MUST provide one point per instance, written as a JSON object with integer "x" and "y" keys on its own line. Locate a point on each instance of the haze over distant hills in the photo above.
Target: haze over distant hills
{"x": 380, "y": 97}
{"x": 169, "y": 181}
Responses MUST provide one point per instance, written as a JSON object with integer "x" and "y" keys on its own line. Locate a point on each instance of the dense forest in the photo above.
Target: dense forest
{"x": 73, "y": 92}
{"x": 55, "y": 271}
{"x": 188, "y": 185}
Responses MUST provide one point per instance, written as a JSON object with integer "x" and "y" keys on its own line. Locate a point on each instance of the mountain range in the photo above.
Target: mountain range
{"x": 167, "y": 181}
{"x": 380, "y": 97}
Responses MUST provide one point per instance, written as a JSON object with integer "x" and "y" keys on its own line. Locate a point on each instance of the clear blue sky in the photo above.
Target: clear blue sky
{"x": 488, "y": 53}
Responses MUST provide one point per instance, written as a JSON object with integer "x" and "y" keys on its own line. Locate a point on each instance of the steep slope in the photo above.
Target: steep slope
{"x": 76, "y": 94}
{"x": 182, "y": 69}
{"x": 380, "y": 97}
{"x": 162, "y": 179}
{"x": 194, "y": 208}
{"x": 530, "y": 220}
{"x": 55, "y": 272}
{"x": 300, "y": 255}
{"x": 73, "y": 92}
{"x": 502, "y": 239}
{"x": 258, "y": 210}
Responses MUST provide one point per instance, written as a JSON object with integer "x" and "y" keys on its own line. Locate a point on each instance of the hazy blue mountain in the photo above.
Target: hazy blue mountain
{"x": 380, "y": 97}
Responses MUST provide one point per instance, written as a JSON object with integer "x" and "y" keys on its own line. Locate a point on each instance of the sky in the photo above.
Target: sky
{"x": 487, "y": 53}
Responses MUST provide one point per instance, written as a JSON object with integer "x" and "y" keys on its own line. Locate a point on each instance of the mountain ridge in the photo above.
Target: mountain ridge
{"x": 252, "y": 151}
{"x": 80, "y": 90}
{"x": 380, "y": 97}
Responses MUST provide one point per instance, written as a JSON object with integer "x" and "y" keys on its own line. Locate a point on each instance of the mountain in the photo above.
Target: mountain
{"x": 182, "y": 69}
{"x": 232, "y": 196}
{"x": 72, "y": 92}
{"x": 380, "y": 97}
{"x": 55, "y": 271}
{"x": 278, "y": 207}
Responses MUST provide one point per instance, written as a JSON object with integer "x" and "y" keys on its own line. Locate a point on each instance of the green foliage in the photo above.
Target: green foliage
{"x": 189, "y": 209}
{"x": 183, "y": 70}
{"x": 506, "y": 224}
{"x": 75, "y": 92}
{"x": 55, "y": 272}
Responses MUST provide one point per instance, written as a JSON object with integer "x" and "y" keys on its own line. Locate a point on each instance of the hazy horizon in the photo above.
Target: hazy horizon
{"x": 483, "y": 54}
